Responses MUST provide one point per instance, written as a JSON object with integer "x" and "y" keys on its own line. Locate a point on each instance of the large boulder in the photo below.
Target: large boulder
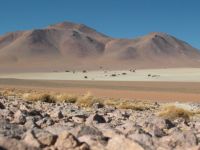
{"x": 120, "y": 142}
{"x": 66, "y": 141}
{"x": 19, "y": 117}
{"x": 13, "y": 144}
{"x": 39, "y": 138}
{"x": 2, "y": 106}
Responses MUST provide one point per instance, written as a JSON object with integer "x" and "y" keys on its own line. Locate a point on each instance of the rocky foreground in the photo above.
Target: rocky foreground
{"x": 28, "y": 125}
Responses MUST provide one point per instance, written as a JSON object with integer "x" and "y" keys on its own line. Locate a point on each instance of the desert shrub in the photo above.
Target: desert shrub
{"x": 138, "y": 107}
{"x": 84, "y": 71}
{"x": 173, "y": 112}
{"x": 155, "y": 76}
{"x": 130, "y": 104}
{"x": 124, "y": 73}
{"x": 111, "y": 102}
{"x": 126, "y": 104}
{"x": 67, "y": 98}
{"x": 87, "y": 100}
{"x": 67, "y": 71}
{"x": 10, "y": 93}
{"x": 44, "y": 97}
{"x": 113, "y": 75}
{"x": 132, "y": 70}
{"x": 85, "y": 77}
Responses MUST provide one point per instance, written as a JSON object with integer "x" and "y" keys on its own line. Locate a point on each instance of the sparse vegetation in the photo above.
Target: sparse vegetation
{"x": 67, "y": 98}
{"x": 113, "y": 75}
{"x": 127, "y": 104}
{"x": 133, "y": 106}
{"x": 44, "y": 97}
{"x": 132, "y": 70}
{"x": 155, "y": 76}
{"x": 173, "y": 112}
{"x": 87, "y": 100}
{"x": 84, "y": 71}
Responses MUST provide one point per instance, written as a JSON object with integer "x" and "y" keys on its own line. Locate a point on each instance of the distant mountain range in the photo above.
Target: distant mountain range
{"x": 75, "y": 46}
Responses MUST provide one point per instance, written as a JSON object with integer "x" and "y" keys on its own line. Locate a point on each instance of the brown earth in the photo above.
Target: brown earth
{"x": 153, "y": 91}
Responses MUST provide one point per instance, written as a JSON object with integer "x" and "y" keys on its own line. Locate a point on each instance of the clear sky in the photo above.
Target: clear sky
{"x": 116, "y": 18}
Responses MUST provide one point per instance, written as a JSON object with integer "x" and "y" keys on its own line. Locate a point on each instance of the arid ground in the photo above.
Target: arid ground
{"x": 162, "y": 85}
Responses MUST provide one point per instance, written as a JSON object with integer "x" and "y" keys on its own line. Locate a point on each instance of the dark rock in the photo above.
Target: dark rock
{"x": 158, "y": 132}
{"x": 95, "y": 118}
{"x": 11, "y": 130}
{"x": 89, "y": 130}
{"x": 97, "y": 105}
{"x": 2, "y": 106}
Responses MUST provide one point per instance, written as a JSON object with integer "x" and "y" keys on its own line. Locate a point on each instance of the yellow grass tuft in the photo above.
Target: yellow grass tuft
{"x": 127, "y": 104}
{"x": 133, "y": 106}
{"x": 44, "y": 97}
{"x": 67, "y": 98}
{"x": 172, "y": 112}
{"x": 87, "y": 100}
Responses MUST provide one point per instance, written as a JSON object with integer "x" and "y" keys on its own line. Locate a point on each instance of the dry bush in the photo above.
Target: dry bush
{"x": 44, "y": 97}
{"x": 67, "y": 98}
{"x": 173, "y": 112}
{"x": 111, "y": 102}
{"x": 10, "y": 93}
{"x": 87, "y": 100}
{"x": 113, "y": 75}
{"x": 133, "y": 106}
{"x": 126, "y": 104}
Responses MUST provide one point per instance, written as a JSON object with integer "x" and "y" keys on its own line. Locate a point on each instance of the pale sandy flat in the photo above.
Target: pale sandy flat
{"x": 171, "y": 74}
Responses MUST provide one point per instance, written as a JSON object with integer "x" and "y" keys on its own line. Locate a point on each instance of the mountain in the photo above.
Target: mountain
{"x": 75, "y": 46}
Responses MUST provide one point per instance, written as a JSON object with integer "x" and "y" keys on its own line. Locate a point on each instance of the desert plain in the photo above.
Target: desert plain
{"x": 170, "y": 84}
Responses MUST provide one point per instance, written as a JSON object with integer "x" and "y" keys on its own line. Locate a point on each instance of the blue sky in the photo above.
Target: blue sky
{"x": 116, "y": 18}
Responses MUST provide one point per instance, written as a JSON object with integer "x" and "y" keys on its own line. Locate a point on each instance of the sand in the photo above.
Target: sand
{"x": 170, "y": 74}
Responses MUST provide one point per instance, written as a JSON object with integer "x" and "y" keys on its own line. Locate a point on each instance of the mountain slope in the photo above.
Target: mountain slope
{"x": 76, "y": 46}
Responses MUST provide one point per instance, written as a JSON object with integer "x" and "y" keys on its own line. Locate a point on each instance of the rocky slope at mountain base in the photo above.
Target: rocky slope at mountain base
{"x": 26, "y": 125}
